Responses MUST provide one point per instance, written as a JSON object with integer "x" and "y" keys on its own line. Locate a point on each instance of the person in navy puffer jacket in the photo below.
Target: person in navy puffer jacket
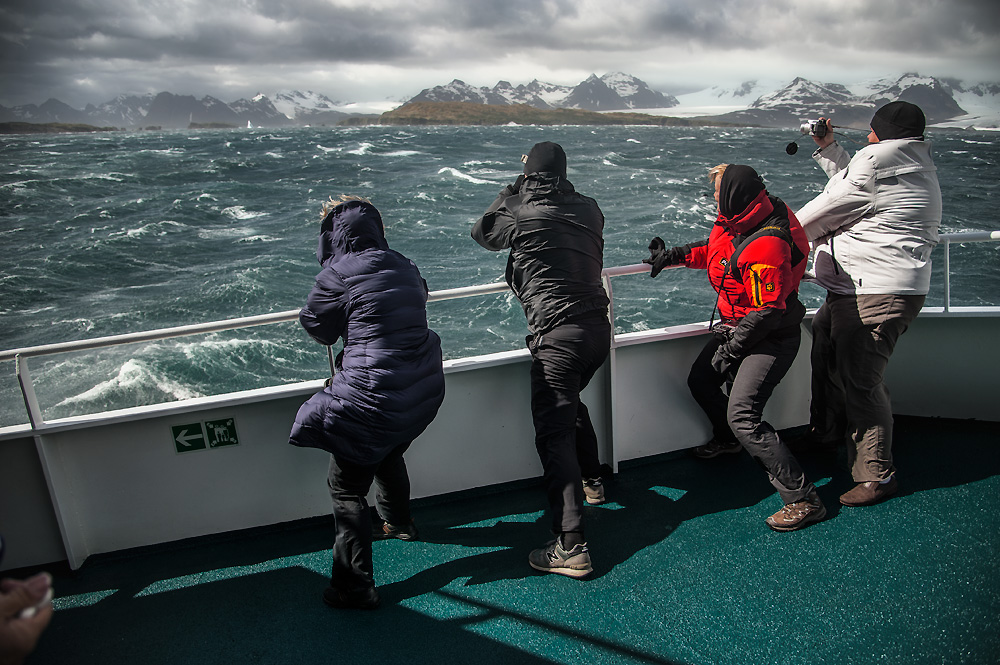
{"x": 387, "y": 388}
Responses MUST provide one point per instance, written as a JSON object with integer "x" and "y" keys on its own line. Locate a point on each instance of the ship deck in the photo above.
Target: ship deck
{"x": 685, "y": 572}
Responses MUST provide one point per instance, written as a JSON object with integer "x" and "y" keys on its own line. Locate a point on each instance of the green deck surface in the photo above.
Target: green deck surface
{"x": 686, "y": 572}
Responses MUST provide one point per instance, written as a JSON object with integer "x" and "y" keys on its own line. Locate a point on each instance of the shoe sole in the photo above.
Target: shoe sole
{"x": 727, "y": 451}
{"x": 385, "y": 536}
{"x": 867, "y": 503}
{"x": 806, "y": 521}
{"x": 880, "y": 499}
{"x": 568, "y": 572}
{"x": 596, "y": 502}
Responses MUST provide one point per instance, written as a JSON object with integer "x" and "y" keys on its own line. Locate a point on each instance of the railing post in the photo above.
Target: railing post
{"x": 611, "y": 305}
{"x": 947, "y": 274}
{"x": 28, "y": 392}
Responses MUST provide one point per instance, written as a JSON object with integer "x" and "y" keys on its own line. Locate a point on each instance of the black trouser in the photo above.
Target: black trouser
{"x": 349, "y": 484}
{"x": 740, "y": 416}
{"x": 563, "y": 361}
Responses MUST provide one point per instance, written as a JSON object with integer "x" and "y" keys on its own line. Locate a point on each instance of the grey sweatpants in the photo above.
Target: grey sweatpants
{"x": 742, "y": 412}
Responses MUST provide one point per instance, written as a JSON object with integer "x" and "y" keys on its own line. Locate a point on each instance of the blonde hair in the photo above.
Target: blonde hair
{"x": 715, "y": 173}
{"x": 334, "y": 202}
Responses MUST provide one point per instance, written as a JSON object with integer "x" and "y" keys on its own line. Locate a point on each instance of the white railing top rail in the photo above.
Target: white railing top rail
{"x": 292, "y": 315}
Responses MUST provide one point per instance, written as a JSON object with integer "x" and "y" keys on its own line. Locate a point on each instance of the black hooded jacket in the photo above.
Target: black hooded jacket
{"x": 556, "y": 242}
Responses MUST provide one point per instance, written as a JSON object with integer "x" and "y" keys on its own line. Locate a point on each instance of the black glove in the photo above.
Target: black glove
{"x": 724, "y": 362}
{"x": 660, "y": 257}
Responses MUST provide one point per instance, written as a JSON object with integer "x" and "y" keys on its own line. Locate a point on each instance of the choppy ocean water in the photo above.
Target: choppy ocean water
{"x": 114, "y": 233}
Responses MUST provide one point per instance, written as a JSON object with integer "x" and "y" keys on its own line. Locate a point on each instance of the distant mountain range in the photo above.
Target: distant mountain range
{"x": 170, "y": 110}
{"x": 611, "y": 92}
{"x": 751, "y": 103}
{"x": 803, "y": 99}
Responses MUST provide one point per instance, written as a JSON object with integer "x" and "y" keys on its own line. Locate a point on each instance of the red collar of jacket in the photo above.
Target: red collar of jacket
{"x": 758, "y": 210}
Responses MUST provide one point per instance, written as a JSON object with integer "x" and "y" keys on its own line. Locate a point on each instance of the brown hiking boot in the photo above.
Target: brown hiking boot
{"x": 866, "y": 494}
{"x": 798, "y": 515}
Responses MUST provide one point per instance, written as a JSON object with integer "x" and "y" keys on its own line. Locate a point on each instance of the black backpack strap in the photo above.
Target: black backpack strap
{"x": 775, "y": 225}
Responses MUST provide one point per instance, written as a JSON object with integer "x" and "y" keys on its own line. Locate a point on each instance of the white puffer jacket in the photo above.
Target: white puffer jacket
{"x": 876, "y": 222}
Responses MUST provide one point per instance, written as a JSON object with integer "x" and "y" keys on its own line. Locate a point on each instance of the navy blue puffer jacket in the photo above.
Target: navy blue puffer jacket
{"x": 389, "y": 381}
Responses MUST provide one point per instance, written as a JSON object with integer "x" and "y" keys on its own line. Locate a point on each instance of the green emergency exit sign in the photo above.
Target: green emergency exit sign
{"x": 204, "y": 435}
{"x": 221, "y": 432}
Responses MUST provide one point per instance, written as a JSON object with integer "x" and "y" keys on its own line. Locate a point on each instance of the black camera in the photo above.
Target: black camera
{"x": 723, "y": 331}
{"x": 816, "y": 128}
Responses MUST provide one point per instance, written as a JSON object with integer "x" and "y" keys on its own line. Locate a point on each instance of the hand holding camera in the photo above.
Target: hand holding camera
{"x": 820, "y": 130}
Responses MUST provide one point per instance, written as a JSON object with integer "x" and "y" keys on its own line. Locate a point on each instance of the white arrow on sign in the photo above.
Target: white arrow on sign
{"x": 183, "y": 438}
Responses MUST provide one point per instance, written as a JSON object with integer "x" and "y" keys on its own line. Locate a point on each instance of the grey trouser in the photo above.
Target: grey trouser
{"x": 742, "y": 411}
{"x": 853, "y": 337}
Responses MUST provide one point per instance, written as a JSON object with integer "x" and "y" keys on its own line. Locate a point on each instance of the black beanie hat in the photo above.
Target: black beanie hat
{"x": 898, "y": 120}
{"x": 548, "y": 157}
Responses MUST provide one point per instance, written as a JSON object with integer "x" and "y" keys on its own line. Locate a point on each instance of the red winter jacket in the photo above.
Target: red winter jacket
{"x": 770, "y": 250}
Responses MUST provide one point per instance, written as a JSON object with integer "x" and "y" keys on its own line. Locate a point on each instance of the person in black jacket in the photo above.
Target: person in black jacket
{"x": 388, "y": 387}
{"x": 556, "y": 243}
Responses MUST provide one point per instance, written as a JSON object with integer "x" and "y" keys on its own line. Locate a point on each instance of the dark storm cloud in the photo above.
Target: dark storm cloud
{"x": 100, "y": 47}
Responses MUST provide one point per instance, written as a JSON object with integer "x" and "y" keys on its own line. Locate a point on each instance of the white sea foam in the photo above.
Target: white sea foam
{"x": 276, "y": 155}
{"x": 241, "y": 213}
{"x": 163, "y": 151}
{"x": 218, "y": 234}
{"x": 258, "y": 238}
{"x": 402, "y": 153}
{"x": 465, "y": 176}
{"x": 194, "y": 350}
{"x": 157, "y": 228}
{"x": 325, "y": 149}
{"x": 133, "y": 374}
{"x": 361, "y": 149}
{"x": 423, "y": 196}
{"x": 633, "y": 141}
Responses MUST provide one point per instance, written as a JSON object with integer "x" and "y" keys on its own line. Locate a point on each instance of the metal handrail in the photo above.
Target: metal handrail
{"x": 20, "y": 355}
{"x": 946, "y": 240}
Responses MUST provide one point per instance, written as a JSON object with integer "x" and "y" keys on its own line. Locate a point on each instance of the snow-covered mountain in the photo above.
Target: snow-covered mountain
{"x": 122, "y": 111}
{"x": 612, "y": 92}
{"x": 309, "y": 108}
{"x": 260, "y": 111}
{"x": 853, "y": 106}
{"x": 166, "y": 109}
{"x": 636, "y": 93}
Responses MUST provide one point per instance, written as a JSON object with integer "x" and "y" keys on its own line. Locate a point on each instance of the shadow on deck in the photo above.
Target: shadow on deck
{"x": 686, "y": 572}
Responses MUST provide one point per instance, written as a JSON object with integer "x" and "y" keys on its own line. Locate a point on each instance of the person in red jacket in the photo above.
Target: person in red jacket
{"x": 755, "y": 258}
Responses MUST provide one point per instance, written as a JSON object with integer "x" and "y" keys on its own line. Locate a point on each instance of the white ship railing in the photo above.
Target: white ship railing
{"x": 21, "y": 355}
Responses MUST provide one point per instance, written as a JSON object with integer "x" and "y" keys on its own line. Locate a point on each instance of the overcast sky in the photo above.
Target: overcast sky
{"x": 89, "y": 51}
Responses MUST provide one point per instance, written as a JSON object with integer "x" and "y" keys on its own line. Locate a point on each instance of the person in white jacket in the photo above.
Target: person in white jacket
{"x": 872, "y": 228}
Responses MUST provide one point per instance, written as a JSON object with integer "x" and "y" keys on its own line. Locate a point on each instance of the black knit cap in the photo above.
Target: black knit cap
{"x": 548, "y": 157}
{"x": 898, "y": 120}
